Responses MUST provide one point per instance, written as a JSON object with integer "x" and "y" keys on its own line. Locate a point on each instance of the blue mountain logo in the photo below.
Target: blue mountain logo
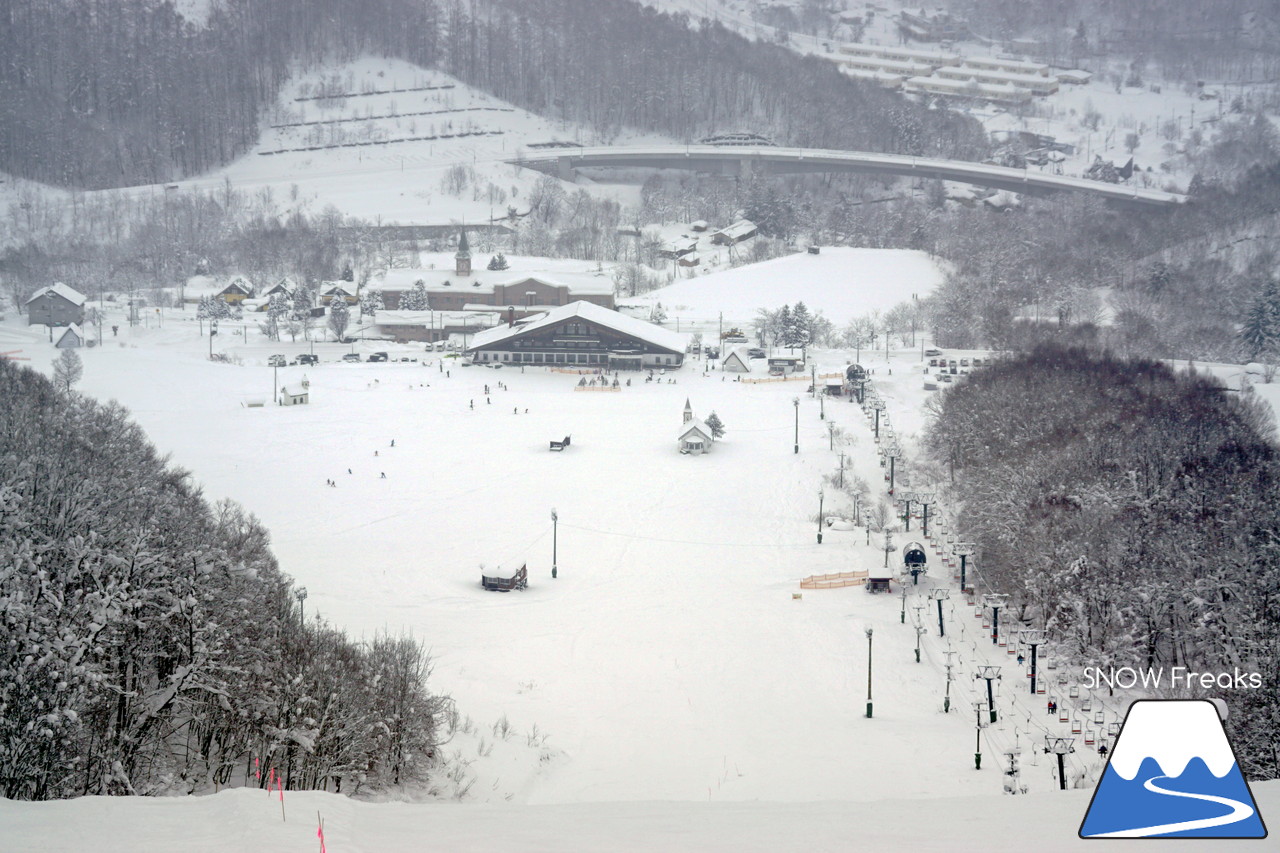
{"x": 1172, "y": 774}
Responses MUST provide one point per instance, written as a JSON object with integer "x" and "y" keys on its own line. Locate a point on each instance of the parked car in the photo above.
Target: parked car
{"x": 712, "y": 352}
{"x": 945, "y": 377}
{"x": 933, "y": 352}
{"x": 277, "y": 361}
{"x": 308, "y": 358}
{"x": 351, "y": 356}
{"x": 377, "y": 356}
{"x": 755, "y": 352}
{"x": 964, "y": 362}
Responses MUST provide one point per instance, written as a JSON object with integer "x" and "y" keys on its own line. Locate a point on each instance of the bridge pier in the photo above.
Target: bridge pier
{"x": 565, "y": 170}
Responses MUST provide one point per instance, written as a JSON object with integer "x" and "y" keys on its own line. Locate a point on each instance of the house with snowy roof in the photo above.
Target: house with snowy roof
{"x": 735, "y": 233}
{"x": 71, "y": 338}
{"x": 582, "y": 334}
{"x": 528, "y": 284}
{"x": 736, "y": 361}
{"x": 344, "y": 290}
{"x": 55, "y": 305}
{"x": 695, "y": 437}
{"x": 238, "y": 289}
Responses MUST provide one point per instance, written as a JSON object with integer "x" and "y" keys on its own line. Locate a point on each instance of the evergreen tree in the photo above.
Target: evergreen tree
{"x": 1260, "y": 333}
{"x": 783, "y": 327}
{"x": 714, "y": 424}
{"x": 371, "y": 303}
{"x": 801, "y": 326}
{"x": 498, "y": 262}
{"x": 415, "y": 299}
{"x": 658, "y": 314}
{"x": 339, "y": 317}
{"x": 68, "y": 369}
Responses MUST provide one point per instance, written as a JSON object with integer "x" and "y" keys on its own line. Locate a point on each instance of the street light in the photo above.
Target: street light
{"x": 869, "y": 631}
{"x": 796, "y": 401}
{"x": 213, "y": 330}
{"x": 555, "y": 524}
{"x": 820, "y": 498}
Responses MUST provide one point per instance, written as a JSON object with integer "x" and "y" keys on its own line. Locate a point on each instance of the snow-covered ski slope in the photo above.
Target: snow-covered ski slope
{"x": 249, "y": 819}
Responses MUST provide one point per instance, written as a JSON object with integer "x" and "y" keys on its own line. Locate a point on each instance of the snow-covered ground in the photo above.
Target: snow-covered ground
{"x": 243, "y": 820}
{"x": 670, "y": 670}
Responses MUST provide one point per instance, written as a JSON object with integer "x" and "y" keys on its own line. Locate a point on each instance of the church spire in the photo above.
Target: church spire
{"x": 462, "y": 265}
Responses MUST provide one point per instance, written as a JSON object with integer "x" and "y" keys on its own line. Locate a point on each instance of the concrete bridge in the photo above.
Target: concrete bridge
{"x": 736, "y": 161}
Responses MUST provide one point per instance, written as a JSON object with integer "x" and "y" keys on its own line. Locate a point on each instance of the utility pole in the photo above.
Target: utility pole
{"x": 989, "y": 673}
{"x": 820, "y": 499}
{"x": 1061, "y": 747}
{"x": 866, "y": 522}
{"x": 1033, "y": 637}
{"x": 301, "y": 594}
{"x": 841, "y": 455}
{"x": 940, "y": 595}
{"x": 831, "y": 439}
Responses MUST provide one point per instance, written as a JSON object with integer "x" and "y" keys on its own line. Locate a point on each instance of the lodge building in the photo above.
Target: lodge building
{"x": 580, "y": 334}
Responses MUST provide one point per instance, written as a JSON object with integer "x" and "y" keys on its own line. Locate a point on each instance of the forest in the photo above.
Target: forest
{"x": 149, "y": 642}
{"x": 1128, "y": 509}
{"x": 109, "y": 93}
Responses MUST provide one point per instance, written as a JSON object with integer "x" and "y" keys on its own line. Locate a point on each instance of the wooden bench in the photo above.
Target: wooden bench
{"x": 560, "y": 445}
{"x": 519, "y": 580}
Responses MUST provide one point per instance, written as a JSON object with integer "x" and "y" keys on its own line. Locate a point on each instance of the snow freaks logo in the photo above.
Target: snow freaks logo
{"x": 1172, "y": 774}
{"x": 1127, "y": 677}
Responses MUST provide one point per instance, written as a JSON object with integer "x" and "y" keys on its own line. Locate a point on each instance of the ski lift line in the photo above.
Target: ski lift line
{"x": 688, "y": 541}
{"x": 525, "y": 550}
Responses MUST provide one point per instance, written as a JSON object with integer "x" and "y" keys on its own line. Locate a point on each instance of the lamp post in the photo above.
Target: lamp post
{"x": 555, "y": 523}
{"x": 869, "y": 632}
{"x": 796, "y": 401}
{"x": 822, "y": 407}
{"x": 989, "y": 673}
{"x": 831, "y": 445}
{"x": 301, "y": 594}
{"x": 977, "y": 741}
{"x": 821, "y": 496}
{"x": 866, "y": 522}
{"x": 213, "y": 331}
{"x": 813, "y": 380}
{"x": 920, "y": 632}
{"x": 940, "y": 595}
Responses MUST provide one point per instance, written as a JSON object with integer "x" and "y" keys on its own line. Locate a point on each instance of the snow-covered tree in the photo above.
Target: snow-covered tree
{"x": 339, "y": 317}
{"x": 415, "y": 298}
{"x": 800, "y": 333}
{"x": 371, "y": 303}
{"x": 498, "y": 262}
{"x": 1260, "y": 333}
{"x": 714, "y": 424}
{"x": 68, "y": 369}
{"x": 657, "y": 314}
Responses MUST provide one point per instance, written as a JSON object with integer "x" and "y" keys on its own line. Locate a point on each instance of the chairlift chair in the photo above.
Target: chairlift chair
{"x": 1075, "y": 726}
{"x": 1063, "y": 716}
{"x": 1075, "y": 691}
{"x": 1099, "y": 717}
{"x": 1088, "y": 737}
{"x": 1113, "y": 729}
{"x": 1040, "y": 687}
{"x": 1086, "y": 705}
{"x": 1062, "y": 679}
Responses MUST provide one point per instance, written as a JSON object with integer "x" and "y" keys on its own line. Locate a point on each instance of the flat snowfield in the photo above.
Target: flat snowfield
{"x": 251, "y": 820}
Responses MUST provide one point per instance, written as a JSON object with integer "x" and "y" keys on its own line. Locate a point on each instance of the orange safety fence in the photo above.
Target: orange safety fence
{"x": 835, "y": 581}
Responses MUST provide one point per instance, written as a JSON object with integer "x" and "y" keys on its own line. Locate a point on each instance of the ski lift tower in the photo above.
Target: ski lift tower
{"x": 995, "y": 601}
{"x": 1061, "y": 747}
{"x": 1033, "y": 637}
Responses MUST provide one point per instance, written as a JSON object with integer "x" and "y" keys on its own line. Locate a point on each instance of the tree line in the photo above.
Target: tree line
{"x": 1128, "y": 509}
{"x": 117, "y": 92}
{"x": 150, "y": 643}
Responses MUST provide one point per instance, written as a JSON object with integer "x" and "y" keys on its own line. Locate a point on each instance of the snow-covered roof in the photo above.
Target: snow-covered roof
{"x": 738, "y": 229}
{"x": 73, "y": 329}
{"x": 589, "y": 311}
{"x": 555, "y": 272}
{"x": 293, "y": 391}
{"x": 439, "y": 319}
{"x": 1074, "y": 75}
{"x": 72, "y": 295}
{"x": 738, "y": 357}
{"x": 695, "y": 425}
